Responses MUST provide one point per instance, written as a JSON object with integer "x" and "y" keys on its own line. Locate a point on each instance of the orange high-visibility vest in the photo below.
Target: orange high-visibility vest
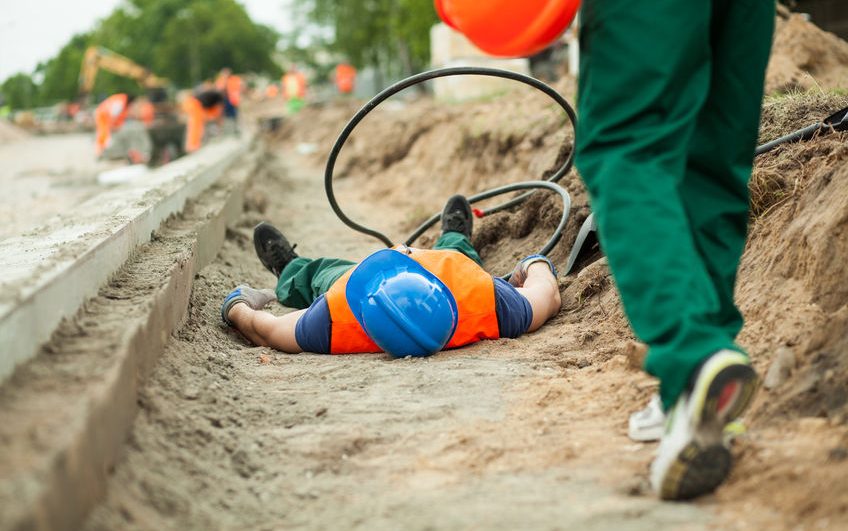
{"x": 197, "y": 116}
{"x": 109, "y": 115}
{"x": 345, "y": 78}
{"x": 234, "y": 90}
{"x": 294, "y": 85}
{"x": 471, "y": 286}
{"x": 147, "y": 113}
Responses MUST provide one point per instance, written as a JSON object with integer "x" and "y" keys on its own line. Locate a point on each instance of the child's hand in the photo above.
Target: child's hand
{"x": 519, "y": 274}
{"x": 255, "y": 298}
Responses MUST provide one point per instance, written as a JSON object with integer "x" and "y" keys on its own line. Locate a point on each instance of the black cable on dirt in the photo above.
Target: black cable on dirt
{"x": 549, "y": 183}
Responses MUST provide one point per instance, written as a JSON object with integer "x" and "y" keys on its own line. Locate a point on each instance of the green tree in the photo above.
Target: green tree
{"x": 391, "y": 35}
{"x": 19, "y": 91}
{"x": 60, "y": 75}
{"x": 207, "y": 35}
{"x": 184, "y": 40}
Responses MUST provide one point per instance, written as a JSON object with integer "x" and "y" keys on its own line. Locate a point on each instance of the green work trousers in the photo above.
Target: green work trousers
{"x": 669, "y": 107}
{"x": 304, "y": 279}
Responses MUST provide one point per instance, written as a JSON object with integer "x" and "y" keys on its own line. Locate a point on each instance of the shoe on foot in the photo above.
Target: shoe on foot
{"x": 692, "y": 458}
{"x": 647, "y": 424}
{"x": 457, "y": 216}
{"x": 273, "y": 249}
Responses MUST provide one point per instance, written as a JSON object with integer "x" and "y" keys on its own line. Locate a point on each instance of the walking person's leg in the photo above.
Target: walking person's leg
{"x": 715, "y": 189}
{"x": 633, "y": 152}
{"x": 638, "y": 107}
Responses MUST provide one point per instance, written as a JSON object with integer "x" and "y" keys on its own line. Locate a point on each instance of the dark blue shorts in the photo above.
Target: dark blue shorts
{"x": 312, "y": 331}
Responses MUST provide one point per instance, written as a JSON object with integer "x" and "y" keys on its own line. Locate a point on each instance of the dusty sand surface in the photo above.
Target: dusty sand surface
{"x": 43, "y": 176}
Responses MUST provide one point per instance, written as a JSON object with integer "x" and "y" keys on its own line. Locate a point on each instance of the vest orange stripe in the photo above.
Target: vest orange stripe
{"x": 472, "y": 287}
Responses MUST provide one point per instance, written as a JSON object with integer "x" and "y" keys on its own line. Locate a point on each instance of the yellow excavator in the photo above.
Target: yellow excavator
{"x": 97, "y": 57}
{"x": 166, "y": 132}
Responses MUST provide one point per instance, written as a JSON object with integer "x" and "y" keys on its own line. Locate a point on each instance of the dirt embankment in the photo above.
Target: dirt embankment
{"x": 805, "y": 57}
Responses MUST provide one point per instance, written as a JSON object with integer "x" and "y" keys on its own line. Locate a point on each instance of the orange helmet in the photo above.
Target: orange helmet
{"x": 508, "y": 28}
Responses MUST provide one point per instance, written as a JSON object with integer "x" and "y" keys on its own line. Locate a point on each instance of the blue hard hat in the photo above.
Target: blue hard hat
{"x": 402, "y": 307}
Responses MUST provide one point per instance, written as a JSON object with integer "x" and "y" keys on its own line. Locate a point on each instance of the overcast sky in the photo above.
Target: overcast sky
{"x": 34, "y": 30}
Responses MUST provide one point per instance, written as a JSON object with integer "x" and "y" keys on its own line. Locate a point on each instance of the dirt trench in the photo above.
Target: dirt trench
{"x": 506, "y": 434}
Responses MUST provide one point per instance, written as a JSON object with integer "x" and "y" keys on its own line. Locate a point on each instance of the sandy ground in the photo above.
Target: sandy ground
{"x": 502, "y": 435}
{"x": 43, "y": 176}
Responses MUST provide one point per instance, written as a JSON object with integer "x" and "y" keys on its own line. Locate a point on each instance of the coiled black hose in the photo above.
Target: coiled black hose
{"x": 549, "y": 183}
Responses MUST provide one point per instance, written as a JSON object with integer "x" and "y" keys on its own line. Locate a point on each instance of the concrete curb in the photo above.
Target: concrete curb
{"x": 47, "y": 274}
{"x": 79, "y": 440}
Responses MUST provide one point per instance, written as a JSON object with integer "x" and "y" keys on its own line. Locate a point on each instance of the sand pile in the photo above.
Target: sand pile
{"x": 804, "y": 57}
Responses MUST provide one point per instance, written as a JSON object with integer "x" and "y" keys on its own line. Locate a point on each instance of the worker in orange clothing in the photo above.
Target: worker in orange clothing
{"x": 110, "y": 116}
{"x": 272, "y": 91}
{"x": 200, "y": 107}
{"x": 345, "y": 77}
{"x": 146, "y": 112}
{"x": 294, "y": 89}
{"x": 231, "y": 86}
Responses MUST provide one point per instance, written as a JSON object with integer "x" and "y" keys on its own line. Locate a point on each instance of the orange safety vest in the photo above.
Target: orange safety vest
{"x": 471, "y": 286}
{"x": 107, "y": 109}
{"x": 272, "y": 91}
{"x": 234, "y": 90}
{"x": 345, "y": 78}
{"x": 294, "y": 85}
{"x": 109, "y": 115}
{"x": 147, "y": 113}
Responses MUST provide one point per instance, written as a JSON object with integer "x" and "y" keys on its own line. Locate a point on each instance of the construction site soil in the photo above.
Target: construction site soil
{"x": 527, "y": 433}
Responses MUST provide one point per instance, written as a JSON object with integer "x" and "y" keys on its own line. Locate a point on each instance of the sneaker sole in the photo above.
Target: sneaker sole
{"x": 262, "y": 233}
{"x": 696, "y": 471}
{"x": 704, "y": 463}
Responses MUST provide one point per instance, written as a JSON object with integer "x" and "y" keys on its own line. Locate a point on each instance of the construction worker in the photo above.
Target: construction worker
{"x": 665, "y": 145}
{"x": 231, "y": 86}
{"x": 345, "y": 77}
{"x": 146, "y": 111}
{"x": 109, "y": 116}
{"x": 204, "y": 105}
{"x": 404, "y": 301}
{"x": 294, "y": 89}
{"x": 272, "y": 91}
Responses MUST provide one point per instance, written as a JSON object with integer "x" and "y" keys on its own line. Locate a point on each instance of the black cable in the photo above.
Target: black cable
{"x": 443, "y": 72}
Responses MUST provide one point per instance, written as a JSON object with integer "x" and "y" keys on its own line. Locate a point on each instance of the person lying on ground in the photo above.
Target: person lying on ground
{"x": 403, "y": 301}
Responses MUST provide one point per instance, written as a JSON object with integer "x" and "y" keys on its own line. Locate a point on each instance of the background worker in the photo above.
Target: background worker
{"x": 404, "y": 301}
{"x": 666, "y": 162}
{"x": 109, "y": 116}
{"x": 294, "y": 89}
{"x": 203, "y": 105}
{"x": 345, "y": 78}
{"x": 231, "y": 86}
